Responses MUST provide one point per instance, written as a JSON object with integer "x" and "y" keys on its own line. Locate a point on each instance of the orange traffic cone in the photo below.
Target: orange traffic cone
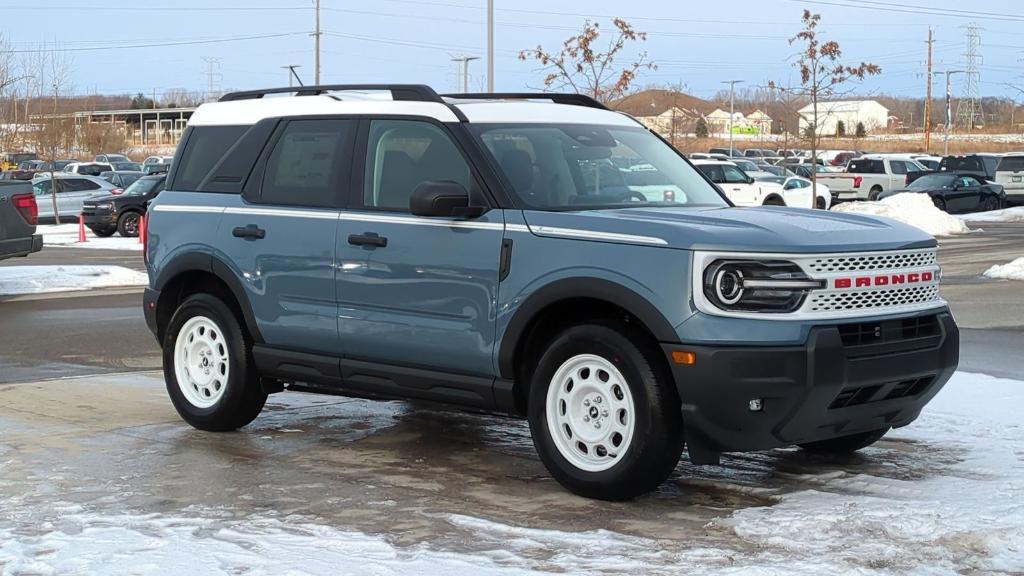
{"x": 81, "y": 228}
{"x": 142, "y": 229}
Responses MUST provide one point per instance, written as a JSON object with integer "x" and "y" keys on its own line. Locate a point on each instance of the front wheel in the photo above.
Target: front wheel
{"x": 604, "y": 414}
{"x": 128, "y": 224}
{"x": 939, "y": 203}
{"x": 208, "y": 366}
{"x": 990, "y": 203}
{"x": 845, "y": 444}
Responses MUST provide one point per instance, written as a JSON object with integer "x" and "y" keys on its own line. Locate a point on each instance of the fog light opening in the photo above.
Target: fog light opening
{"x": 756, "y": 404}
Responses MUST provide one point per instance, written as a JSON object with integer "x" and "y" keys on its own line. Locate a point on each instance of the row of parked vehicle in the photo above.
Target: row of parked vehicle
{"x": 957, "y": 183}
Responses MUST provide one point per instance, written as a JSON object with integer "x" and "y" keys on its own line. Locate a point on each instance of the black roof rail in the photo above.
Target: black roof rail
{"x": 573, "y": 99}
{"x": 407, "y": 92}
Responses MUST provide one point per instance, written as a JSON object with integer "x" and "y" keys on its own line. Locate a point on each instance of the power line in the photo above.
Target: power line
{"x": 912, "y": 9}
{"x": 58, "y": 48}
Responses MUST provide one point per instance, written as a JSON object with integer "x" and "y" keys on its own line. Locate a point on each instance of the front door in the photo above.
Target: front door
{"x": 413, "y": 291}
{"x": 966, "y": 194}
{"x": 280, "y": 236}
{"x": 738, "y": 188}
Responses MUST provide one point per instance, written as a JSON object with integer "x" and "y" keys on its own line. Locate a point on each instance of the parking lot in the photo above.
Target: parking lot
{"x": 99, "y": 474}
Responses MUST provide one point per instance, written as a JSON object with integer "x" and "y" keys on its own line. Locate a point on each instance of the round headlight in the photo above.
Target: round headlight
{"x": 757, "y": 285}
{"x": 728, "y": 284}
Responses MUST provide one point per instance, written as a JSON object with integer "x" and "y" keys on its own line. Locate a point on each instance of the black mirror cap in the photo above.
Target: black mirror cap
{"x": 440, "y": 198}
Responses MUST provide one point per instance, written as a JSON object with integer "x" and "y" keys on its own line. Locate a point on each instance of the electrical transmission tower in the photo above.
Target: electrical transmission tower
{"x": 968, "y": 112}
{"x": 213, "y": 78}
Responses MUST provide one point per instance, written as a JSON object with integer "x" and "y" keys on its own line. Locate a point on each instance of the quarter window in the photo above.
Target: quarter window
{"x": 305, "y": 167}
{"x": 205, "y": 147}
{"x": 402, "y": 154}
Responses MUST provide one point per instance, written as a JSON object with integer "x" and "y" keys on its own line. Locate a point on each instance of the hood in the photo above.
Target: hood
{"x": 101, "y": 197}
{"x": 761, "y": 229}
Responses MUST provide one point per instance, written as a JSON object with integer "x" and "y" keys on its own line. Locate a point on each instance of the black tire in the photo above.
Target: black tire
{"x": 939, "y": 203}
{"x": 845, "y": 444}
{"x": 657, "y": 437}
{"x": 774, "y": 201}
{"x": 128, "y": 224}
{"x": 103, "y": 232}
{"x": 819, "y": 203}
{"x": 990, "y": 203}
{"x": 243, "y": 397}
{"x": 874, "y": 193}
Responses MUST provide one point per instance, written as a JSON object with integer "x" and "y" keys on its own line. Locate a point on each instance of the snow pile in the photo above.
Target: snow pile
{"x": 910, "y": 208}
{"x": 40, "y": 279}
{"x": 1012, "y": 271}
{"x": 67, "y": 235}
{"x": 1006, "y": 215}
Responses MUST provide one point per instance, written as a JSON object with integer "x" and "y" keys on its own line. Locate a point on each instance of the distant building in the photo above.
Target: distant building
{"x": 718, "y": 121}
{"x": 873, "y": 115}
{"x": 759, "y": 121}
{"x": 674, "y": 119}
{"x": 140, "y": 127}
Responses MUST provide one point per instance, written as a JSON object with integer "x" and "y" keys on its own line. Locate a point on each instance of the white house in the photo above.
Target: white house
{"x": 760, "y": 122}
{"x": 718, "y": 121}
{"x": 873, "y": 115}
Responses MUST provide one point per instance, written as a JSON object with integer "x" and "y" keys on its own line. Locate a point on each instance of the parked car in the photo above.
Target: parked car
{"x": 956, "y": 192}
{"x": 730, "y": 153}
{"x": 705, "y": 156}
{"x": 72, "y": 190}
{"x": 930, "y": 162}
{"x": 750, "y": 168}
{"x": 157, "y": 160}
{"x": 744, "y": 190}
{"x": 837, "y": 157}
{"x": 791, "y": 183}
{"x": 868, "y": 176}
{"x": 122, "y": 213}
{"x": 804, "y": 170}
{"x": 472, "y": 265}
{"x": 127, "y": 166}
{"x": 981, "y": 165}
{"x": 156, "y": 168}
{"x": 108, "y": 158}
{"x": 18, "y": 216}
{"x": 28, "y": 169}
{"x": 122, "y": 180}
{"x": 11, "y": 161}
{"x": 88, "y": 168}
{"x": 1010, "y": 175}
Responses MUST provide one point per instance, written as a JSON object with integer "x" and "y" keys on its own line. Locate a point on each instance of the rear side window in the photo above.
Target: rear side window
{"x": 307, "y": 163}
{"x": 990, "y": 163}
{"x": 1011, "y": 164}
{"x": 867, "y": 167}
{"x": 205, "y": 147}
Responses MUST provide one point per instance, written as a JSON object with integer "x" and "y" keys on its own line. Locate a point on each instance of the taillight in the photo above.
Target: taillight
{"x": 670, "y": 195}
{"x": 26, "y": 205}
{"x": 857, "y": 180}
{"x": 117, "y": 191}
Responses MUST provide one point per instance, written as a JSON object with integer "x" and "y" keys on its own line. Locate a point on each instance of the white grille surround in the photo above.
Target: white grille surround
{"x": 856, "y": 284}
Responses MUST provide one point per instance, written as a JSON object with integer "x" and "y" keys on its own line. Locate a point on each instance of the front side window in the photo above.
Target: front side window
{"x": 577, "y": 167}
{"x": 144, "y": 186}
{"x": 734, "y": 175}
{"x": 306, "y": 163}
{"x": 898, "y": 167}
{"x": 401, "y": 155}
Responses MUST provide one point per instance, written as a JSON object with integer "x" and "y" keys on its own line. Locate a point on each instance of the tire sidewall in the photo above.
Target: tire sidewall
{"x": 238, "y": 377}
{"x": 123, "y": 219}
{"x": 615, "y": 348}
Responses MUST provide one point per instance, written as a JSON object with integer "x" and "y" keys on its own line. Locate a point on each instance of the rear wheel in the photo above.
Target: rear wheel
{"x": 604, "y": 414}
{"x": 208, "y": 366}
{"x": 874, "y": 193}
{"x": 939, "y": 203}
{"x": 845, "y": 444}
{"x": 128, "y": 224}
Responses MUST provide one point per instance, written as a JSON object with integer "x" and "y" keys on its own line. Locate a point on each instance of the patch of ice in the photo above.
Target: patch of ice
{"x": 1012, "y": 271}
{"x": 42, "y": 279}
{"x": 66, "y": 235}
{"x": 910, "y": 208}
{"x": 1006, "y": 215}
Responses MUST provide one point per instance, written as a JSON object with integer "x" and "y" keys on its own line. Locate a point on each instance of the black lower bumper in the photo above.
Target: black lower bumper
{"x": 102, "y": 220}
{"x": 844, "y": 380}
{"x": 21, "y": 246}
{"x": 150, "y": 298}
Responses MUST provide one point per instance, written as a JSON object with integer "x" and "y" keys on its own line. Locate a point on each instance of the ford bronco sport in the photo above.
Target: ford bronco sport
{"x": 494, "y": 252}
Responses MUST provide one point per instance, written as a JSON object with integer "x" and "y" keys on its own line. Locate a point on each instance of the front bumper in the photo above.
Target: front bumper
{"x": 21, "y": 246}
{"x": 845, "y": 379}
{"x": 99, "y": 218}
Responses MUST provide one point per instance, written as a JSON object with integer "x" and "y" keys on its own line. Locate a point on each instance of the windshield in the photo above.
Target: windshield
{"x": 932, "y": 181}
{"x": 143, "y": 186}
{"x": 581, "y": 167}
{"x": 746, "y": 165}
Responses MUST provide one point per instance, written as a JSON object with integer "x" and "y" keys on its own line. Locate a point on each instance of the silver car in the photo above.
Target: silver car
{"x": 72, "y": 190}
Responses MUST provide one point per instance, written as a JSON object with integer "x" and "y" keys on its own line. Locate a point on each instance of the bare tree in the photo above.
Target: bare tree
{"x": 822, "y": 77}
{"x": 585, "y": 67}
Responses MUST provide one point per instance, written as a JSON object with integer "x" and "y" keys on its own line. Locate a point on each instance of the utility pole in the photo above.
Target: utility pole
{"x": 732, "y": 109}
{"x": 53, "y": 160}
{"x": 465, "y": 60}
{"x": 949, "y": 108}
{"x": 316, "y": 35}
{"x": 1013, "y": 104}
{"x": 292, "y": 76}
{"x": 490, "y": 45}
{"x": 928, "y": 98}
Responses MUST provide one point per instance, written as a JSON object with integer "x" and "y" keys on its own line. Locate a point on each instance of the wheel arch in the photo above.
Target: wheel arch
{"x": 773, "y": 199}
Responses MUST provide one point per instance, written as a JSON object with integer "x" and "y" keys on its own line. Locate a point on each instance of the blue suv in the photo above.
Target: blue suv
{"x": 528, "y": 255}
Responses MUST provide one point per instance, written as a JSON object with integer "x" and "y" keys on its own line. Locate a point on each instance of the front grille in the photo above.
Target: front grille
{"x": 868, "y": 299}
{"x": 859, "y": 395}
{"x": 867, "y": 333}
{"x": 868, "y": 262}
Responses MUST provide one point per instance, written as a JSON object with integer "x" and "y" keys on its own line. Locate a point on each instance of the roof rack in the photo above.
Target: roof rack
{"x": 406, "y": 92}
{"x": 572, "y": 99}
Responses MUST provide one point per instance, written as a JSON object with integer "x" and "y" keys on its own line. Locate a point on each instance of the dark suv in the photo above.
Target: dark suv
{"x": 122, "y": 212}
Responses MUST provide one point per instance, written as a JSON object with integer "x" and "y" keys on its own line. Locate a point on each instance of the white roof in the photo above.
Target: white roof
{"x": 251, "y": 111}
{"x": 701, "y": 162}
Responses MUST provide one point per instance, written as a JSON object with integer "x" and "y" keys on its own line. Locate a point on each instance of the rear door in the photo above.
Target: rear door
{"x": 280, "y": 234}
{"x": 1010, "y": 175}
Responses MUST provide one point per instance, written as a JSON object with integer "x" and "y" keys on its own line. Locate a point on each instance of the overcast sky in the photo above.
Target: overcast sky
{"x": 696, "y": 44}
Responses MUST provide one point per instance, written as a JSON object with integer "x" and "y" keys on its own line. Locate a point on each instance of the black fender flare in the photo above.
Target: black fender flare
{"x": 579, "y": 287}
{"x": 210, "y": 264}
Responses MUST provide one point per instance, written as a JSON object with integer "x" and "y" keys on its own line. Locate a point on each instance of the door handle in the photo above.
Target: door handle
{"x": 371, "y": 239}
{"x": 250, "y": 232}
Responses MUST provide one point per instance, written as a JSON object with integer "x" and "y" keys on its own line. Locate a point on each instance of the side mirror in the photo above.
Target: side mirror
{"x": 750, "y": 180}
{"x": 442, "y": 198}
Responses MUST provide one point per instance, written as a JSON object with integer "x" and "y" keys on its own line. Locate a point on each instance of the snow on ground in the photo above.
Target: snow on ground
{"x": 910, "y": 208}
{"x": 1012, "y": 271}
{"x": 955, "y": 507}
{"x": 40, "y": 279}
{"x": 1015, "y": 214}
{"x": 67, "y": 235}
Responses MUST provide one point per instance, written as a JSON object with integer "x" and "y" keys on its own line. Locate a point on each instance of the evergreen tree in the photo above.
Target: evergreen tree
{"x": 861, "y": 130}
{"x": 702, "y": 128}
{"x": 840, "y": 129}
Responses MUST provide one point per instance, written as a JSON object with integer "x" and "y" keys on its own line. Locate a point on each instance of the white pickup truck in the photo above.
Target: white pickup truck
{"x": 868, "y": 176}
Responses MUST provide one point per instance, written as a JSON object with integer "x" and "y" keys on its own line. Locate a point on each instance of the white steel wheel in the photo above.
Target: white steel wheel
{"x": 201, "y": 362}
{"x": 590, "y": 413}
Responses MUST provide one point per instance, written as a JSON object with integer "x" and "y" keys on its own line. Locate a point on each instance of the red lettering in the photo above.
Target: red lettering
{"x": 927, "y": 277}
{"x": 913, "y": 277}
{"x": 881, "y": 280}
{"x": 863, "y": 281}
{"x": 899, "y": 279}
{"x": 844, "y": 283}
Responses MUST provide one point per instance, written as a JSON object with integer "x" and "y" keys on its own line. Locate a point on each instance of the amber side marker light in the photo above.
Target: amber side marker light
{"x": 686, "y": 358}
